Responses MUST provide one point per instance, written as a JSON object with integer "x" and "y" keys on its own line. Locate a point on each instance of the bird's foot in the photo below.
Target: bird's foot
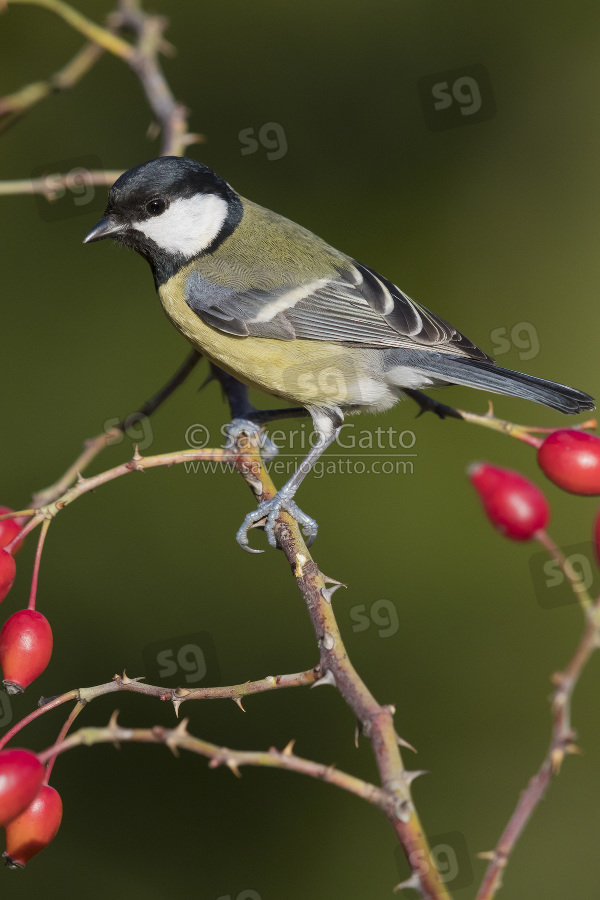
{"x": 269, "y": 510}
{"x": 268, "y": 449}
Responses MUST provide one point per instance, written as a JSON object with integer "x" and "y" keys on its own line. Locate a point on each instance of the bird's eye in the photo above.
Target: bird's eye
{"x": 156, "y": 207}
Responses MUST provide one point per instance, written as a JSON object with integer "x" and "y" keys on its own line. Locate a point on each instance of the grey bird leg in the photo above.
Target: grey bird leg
{"x": 327, "y": 422}
{"x": 245, "y": 417}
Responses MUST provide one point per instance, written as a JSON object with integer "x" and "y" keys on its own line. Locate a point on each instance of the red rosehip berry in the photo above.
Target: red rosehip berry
{"x": 8, "y": 571}
{"x": 34, "y": 828}
{"x": 571, "y": 459}
{"x": 9, "y": 528}
{"x": 21, "y": 776}
{"x": 513, "y": 504}
{"x": 25, "y": 649}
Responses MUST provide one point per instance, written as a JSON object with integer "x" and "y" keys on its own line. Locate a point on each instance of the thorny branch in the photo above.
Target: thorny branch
{"x": 375, "y": 721}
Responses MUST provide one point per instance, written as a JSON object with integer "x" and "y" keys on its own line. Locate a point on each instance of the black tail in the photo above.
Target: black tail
{"x": 486, "y": 376}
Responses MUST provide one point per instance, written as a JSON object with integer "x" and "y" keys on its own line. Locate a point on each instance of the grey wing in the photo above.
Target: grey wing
{"x": 357, "y": 307}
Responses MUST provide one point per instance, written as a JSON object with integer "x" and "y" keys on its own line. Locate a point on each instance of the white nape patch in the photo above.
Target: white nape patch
{"x": 188, "y": 226}
{"x": 289, "y": 299}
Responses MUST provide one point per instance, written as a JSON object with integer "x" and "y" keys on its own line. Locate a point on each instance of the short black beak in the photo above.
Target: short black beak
{"x": 106, "y": 227}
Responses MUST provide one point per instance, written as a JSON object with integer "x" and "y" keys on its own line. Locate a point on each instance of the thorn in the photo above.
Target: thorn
{"x": 409, "y": 777}
{"x": 573, "y": 749}
{"x": 181, "y": 730}
{"x": 556, "y": 759}
{"x": 490, "y": 411}
{"x": 326, "y": 593}
{"x": 137, "y": 456}
{"x": 287, "y": 750}
{"x": 233, "y": 766}
{"x": 402, "y": 743}
{"x": 413, "y": 883}
{"x": 153, "y": 131}
{"x": 166, "y": 48}
{"x": 188, "y": 139}
{"x": 332, "y": 580}
{"x": 174, "y": 735}
{"x": 391, "y": 709}
{"x": 80, "y": 478}
{"x": 487, "y": 854}
{"x": 112, "y": 724}
{"x": 176, "y": 704}
{"x": 357, "y": 732}
{"x": 182, "y": 693}
{"x": 238, "y": 700}
{"x": 124, "y": 678}
{"x": 327, "y": 678}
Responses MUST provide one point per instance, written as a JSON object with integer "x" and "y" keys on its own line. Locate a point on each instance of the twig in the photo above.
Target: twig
{"x": 375, "y": 721}
{"x": 562, "y": 743}
{"x": 488, "y": 420}
{"x": 142, "y": 59}
{"x": 13, "y": 106}
{"x": 180, "y": 738}
{"x": 49, "y": 186}
{"x": 569, "y": 572}
{"x": 36, "y": 563}
{"x": 176, "y": 696}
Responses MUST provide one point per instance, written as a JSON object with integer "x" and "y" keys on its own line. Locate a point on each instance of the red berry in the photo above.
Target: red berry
{"x": 8, "y": 571}
{"x": 514, "y": 505}
{"x": 25, "y": 649}
{"x": 9, "y": 528}
{"x": 571, "y": 459}
{"x": 21, "y": 776}
{"x": 34, "y": 828}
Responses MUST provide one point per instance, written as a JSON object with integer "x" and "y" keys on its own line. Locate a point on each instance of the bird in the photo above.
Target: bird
{"x": 274, "y": 305}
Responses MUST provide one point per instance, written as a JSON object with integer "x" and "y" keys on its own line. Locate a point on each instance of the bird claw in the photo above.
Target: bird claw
{"x": 239, "y": 426}
{"x": 269, "y": 510}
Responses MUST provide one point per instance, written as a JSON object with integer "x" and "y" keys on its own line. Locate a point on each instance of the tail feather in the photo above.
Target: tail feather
{"x": 487, "y": 376}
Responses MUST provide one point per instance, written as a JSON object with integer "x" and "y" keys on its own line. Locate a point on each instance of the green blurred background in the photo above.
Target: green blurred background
{"x": 492, "y": 223}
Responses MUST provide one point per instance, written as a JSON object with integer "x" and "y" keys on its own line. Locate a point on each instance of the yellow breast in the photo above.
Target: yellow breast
{"x": 311, "y": 373}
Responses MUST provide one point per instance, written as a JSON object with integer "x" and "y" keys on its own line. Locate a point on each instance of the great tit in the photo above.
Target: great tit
{"x": 283, "y": 311}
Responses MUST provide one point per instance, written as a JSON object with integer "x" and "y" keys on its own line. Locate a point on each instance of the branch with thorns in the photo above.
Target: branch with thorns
{"x": 375, "y": 721}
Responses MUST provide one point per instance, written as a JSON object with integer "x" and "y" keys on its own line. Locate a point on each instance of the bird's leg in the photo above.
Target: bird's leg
{"x": 245, "y": 417}
{"x": 328, "y": 422}
{"x": 427, "y": 404}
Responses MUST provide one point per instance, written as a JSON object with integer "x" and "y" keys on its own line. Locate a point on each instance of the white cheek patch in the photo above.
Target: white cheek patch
{"x": 188, "y": 226}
